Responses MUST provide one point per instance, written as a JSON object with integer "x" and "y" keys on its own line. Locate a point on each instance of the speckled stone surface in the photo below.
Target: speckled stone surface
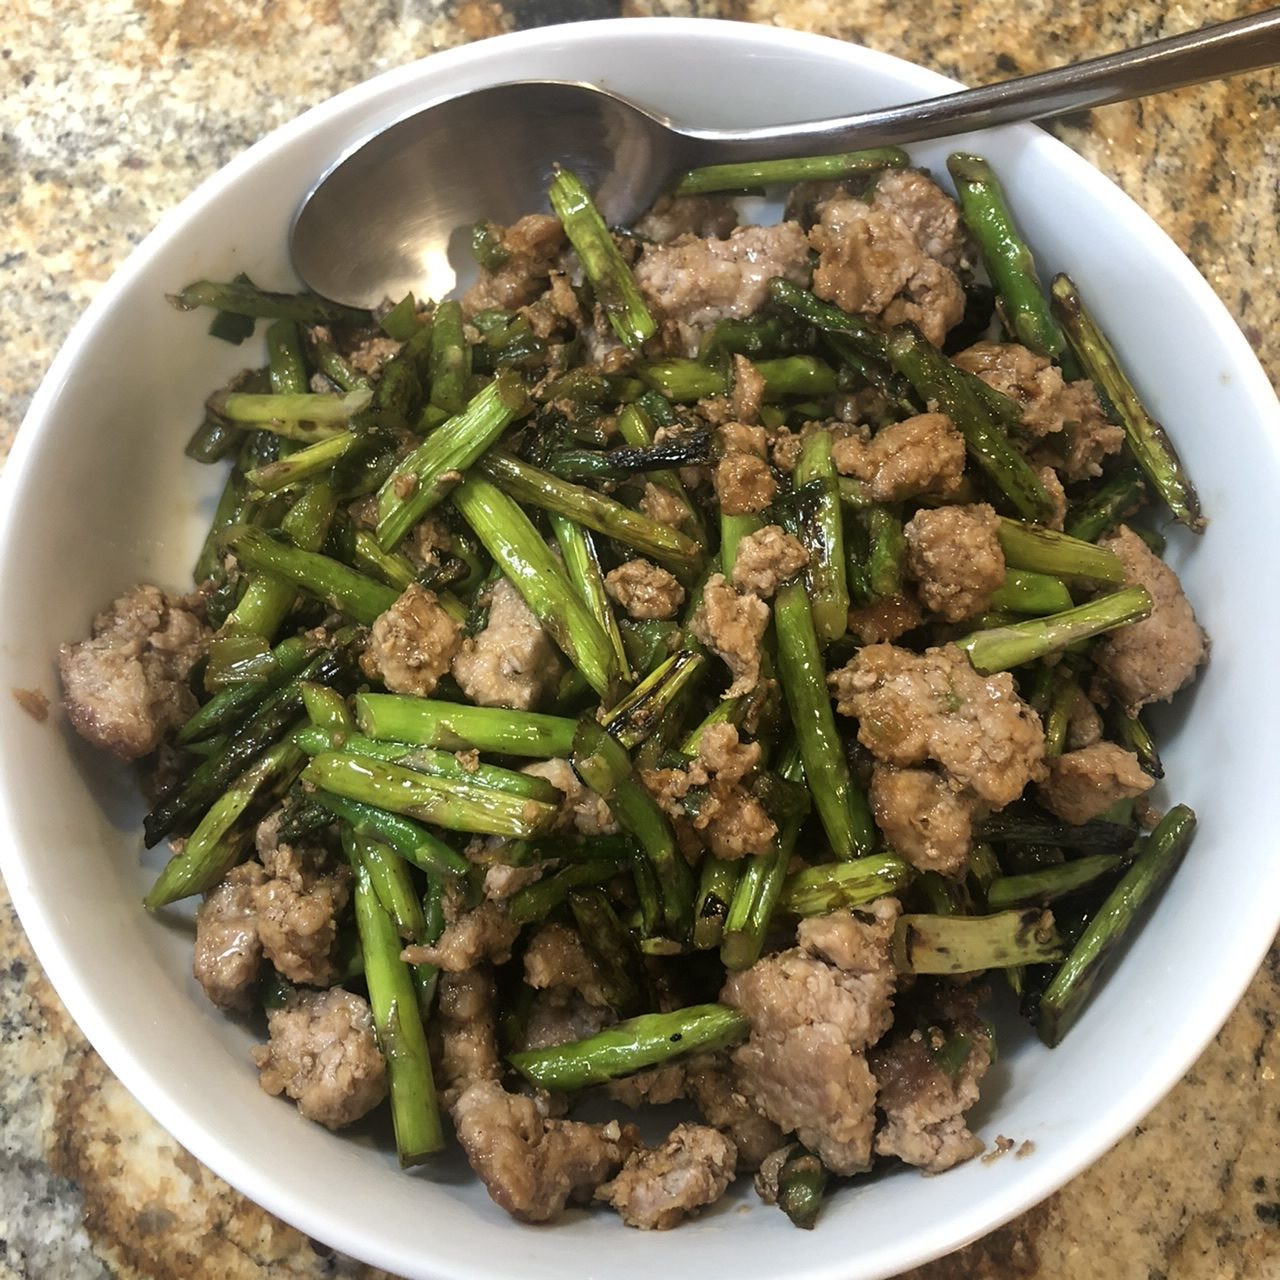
{"x": 112, "y": 110}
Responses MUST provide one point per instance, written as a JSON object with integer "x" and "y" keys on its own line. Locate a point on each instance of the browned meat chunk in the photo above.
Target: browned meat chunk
{"x": 1066, "y": 418}
{"x": 1084, "y": 728}
{"x": 674, "y": 216}
{"x": 732, "y": 624}
{"x": 885, "y": 619}
{"x": 583, "y": 810}
{"x": 555, "y": 957}
{"x": 661, "y": 1186}
{"x": 932, "y": 216}
{"x": 923, "y": 818}
{"x": 560, "y": 1015}
{"x": 512, "y": 662}
{"x": 1149, "y": 661}
{"x": 955, "y": 557}
{"x": 709, "y": 1082}
{"x": 323, "y": 1054}
{"x": 766, "y": 559}
{"x": 127, "y": 684}
{"x": 530, "y": 1166}
{"x": 744, "y": 483}
{"x": 924, "y": 1104}
{"x": 484, "y": 933}
{"x": 413, "y": 644}
{"x": 748, "y": 390}
{"x": 228, "y": 951}
{"x": 731, "y": 821}
{"x": 1057, "y": 497}
{"x": 644, "y": 590}
{"x": 654, "y": 1086}
{"x": 914, "y": 707}
{"x": 533, "y": 246}
{"x": 870, "y": 263}
{"x": 298, "y": 906}
{"x": 370, "y": 354}
{"x": 696, "y": 281}
{"x": 661, "y": 504}
{"x": 923, "y": 455}
{"x": 465, "y": 1019}
{"x": 1083, "y": 784}
{"x": 814, "y": 1010}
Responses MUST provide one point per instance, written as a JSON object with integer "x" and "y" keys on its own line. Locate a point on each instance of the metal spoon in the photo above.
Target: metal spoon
{"x": 381, "y": 221}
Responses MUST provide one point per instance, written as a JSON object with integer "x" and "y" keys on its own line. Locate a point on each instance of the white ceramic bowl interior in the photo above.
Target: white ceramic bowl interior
{"x": 97, "y": 496}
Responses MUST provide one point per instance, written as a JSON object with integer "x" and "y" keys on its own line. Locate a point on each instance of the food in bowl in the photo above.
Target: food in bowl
{"x": 434, "y": 560}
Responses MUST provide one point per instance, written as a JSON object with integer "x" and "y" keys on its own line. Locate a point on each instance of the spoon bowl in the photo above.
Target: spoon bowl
{"x": 395, "y": 214}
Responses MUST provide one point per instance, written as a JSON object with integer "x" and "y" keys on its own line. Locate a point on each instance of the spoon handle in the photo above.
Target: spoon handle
{"x": 1212, "y": 53}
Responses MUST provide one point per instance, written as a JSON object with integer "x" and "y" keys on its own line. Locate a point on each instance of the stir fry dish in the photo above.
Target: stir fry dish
{"x": 701, "y": 662}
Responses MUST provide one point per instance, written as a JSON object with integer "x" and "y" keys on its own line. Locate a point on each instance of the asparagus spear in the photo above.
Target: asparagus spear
{"x": 834, "y": 885}
{"x": 630, "y": 1046}
{"x": 446, "y": 803}
{"x": 1157, "y": 858}
{"x": 759, "y": 886}
{"x": 637, "y": 716}
{"x": 217, "y": 842}
{"x": 886, "y": 551}
{"x": 424, "y": 478}
{"x": 537, "y": 901}
{"x": 1120, "y": 496}
{"x": 937, "y": 381}
{"x": 610, "y": 277}
{"x": 617, "y": 960}
{"x": 1008, "y": 259}
{"x": 326, "y": 709}
{"x": 635, "y": 427}
{"x": 306, "y": 464}
{"x": 413, "y": 843}
{"x": 1132, "y": 734}
{"x": 762, "y": 173}
{"x": 455, "y": 726}
{"x": 1058, "y": 719}
{"x": 970, "y": 944}
{"x": 688, "y": 449}
{"x": 516, "y": 546}
{"x": 392, "y": 883}
{"x": 1041, "y": 550}
{"x": 438, "y": 764}
{"x": 230, "y": 705}
{"x": 840, "y": 802}
{"x": 802, "y": 1184}
{"x": 685, "y": 381}
{"x": 1037, "y": 888}
{"x": 582, "y": 564}
{"x": 263, "y": 729}
{"x": 242, "y": 298}
{"x": 538, "y": 488}
{"x": 286, "y": 364}
{"x": 1003, "y": 647}
{"x": 716, "y": 886}
{"x": 1089, "y": 837}
{"x": 338, "y": 586}
{"x": 450, "y": 363}
{"x": 1147, "y": 439}
{"x": 398, "y": 1024}
{"x": 1025, "y": 591}
{"x": 334, "y": 366}
{"x": 305, "y": 416}
{"x": 603, "y": 764}
{"x": 822, "y": 532}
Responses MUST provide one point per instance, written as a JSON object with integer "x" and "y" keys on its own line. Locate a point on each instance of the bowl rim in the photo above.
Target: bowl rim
{"x": 130, "y": 1063}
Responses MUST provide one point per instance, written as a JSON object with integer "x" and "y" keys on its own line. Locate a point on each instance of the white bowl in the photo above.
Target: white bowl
{"x": 97, "y": 496}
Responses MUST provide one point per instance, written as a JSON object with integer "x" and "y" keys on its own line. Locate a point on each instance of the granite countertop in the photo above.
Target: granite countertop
{"x": 114, "y": 109}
